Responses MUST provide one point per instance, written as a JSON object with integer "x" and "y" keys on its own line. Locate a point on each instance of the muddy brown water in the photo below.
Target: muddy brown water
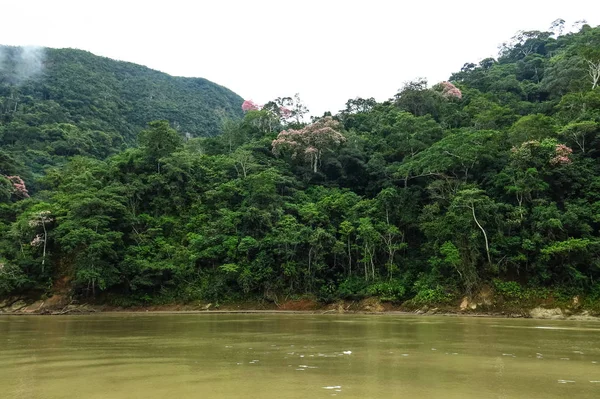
{"x": 115, "y": 356}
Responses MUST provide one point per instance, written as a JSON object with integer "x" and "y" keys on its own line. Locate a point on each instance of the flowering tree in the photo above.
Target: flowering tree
{"x": 41, "y": 219}
{"x": 562, "y": 156}
{"x": 450, "y": 91}
{"x": 250, "y": 105}
{"x": 310, "y": 142}
{"x": 285, "y": 113}
{"x": 549, "y": 150}
{"x": 18, "y": 186}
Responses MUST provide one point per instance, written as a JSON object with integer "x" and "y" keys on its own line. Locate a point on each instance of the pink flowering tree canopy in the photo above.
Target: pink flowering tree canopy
{"x": 281, "y": 108}
{"x": 562, "y": 155}
{"x": 549, "y": 150}
{"x": 18, "y": 186}
{"x": 450, "y": 91}
{"x": 250, "y": 105}
{"x": 310, "y": 142}
{"x": 285, "y": 113}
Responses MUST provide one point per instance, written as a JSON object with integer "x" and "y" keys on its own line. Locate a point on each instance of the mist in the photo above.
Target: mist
{"x": 20, "y": 64}
{"x": 2, "y": 58}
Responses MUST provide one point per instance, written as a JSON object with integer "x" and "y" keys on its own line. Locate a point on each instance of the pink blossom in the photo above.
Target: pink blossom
{"x": 563, "y": 149}
{"x": 250, "y": 105}
{"x": 19, "y": 186}
{"x": 40, "y": 219}
{"x": 285, "y": 113}
{"x": 311, "y": 140}
{"x": 562, "y": 156}
{"x": 37, "y": 241}
{"x": 450, "y": 91}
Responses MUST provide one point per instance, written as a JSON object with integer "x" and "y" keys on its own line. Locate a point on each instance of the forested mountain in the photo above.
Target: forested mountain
{"x": 491, "y": 179}
{"x": 58, "y": 103}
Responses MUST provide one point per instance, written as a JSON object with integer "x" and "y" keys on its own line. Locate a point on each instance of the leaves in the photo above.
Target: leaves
{"x": 489, "y": 177}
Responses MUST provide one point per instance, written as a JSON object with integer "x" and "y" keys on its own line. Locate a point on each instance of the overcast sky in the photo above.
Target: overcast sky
{"x": 326, "y": 50}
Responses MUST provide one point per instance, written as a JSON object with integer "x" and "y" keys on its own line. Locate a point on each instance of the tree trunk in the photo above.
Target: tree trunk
{"x": 349, "y": 258}
{"x": 45, "y": 240}
{"x": 594, "y": 72}
{"x": 487, "y": 246}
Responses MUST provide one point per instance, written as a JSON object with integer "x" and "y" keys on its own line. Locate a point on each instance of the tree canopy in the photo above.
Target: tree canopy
{"x": 489, "y": 178}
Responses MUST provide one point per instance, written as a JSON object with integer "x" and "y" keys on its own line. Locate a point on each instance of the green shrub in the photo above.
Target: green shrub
{"x": 12, "y": 278}
{"x": 389, "y": 291}
{"x": 327, "y": 293}
{"x": 510, "y": 290}
{"x": 428, "y": 291}
{"x": 595, "y": 293}
{"x": 431, "y": 296}
{"x": 130, "y": 300}
{"x": 352, "y": 288}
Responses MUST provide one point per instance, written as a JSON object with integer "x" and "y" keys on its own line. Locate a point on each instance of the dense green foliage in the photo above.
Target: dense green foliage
{"x": 429, "y": 195}
{"x": 59, "y": 103}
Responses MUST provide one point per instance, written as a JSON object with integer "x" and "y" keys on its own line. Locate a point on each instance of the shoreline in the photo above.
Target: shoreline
{"x": 539, "y": 313}
{"x": 579, "y": 318}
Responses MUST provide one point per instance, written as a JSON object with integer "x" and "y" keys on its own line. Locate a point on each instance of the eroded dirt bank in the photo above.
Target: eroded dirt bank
{"x": 60, "y": 305}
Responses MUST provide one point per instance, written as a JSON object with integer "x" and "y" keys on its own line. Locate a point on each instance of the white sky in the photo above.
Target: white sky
{"x": 326, "y": 50}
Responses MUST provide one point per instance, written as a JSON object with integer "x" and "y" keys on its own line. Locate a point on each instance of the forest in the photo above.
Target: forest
{"x": 128, "y": 186}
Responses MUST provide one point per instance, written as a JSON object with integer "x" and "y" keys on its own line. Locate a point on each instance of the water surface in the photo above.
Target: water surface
{"x": 115, "y": 356}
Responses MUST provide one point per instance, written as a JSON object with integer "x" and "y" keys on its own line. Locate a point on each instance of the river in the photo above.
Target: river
{"x": 180, "y": 356}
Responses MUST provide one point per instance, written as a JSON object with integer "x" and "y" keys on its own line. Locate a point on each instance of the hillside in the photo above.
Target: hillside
{"x": 486, "y": 186}
{"x": 57, "y": 103}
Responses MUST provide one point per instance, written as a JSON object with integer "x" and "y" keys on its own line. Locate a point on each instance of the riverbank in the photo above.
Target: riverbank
{"x": 60, "y": 306}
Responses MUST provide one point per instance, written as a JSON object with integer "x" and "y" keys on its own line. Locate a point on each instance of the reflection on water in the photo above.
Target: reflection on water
{"x": 296, "y": 356}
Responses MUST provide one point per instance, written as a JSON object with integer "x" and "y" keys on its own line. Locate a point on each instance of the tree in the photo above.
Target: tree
{"x": 532, "y": 127}
{"x": 298, "y": 109}
{"x": 490, "y": 176}
{"x": 346, "y": 230}
{"x": 159, "y": 140}
{"x": 250, "y": 105}
{"x": 41, "y": 219}
{"x": 18, "y": 186}
{"x": 557, "y": 27}
{"x": 416, "y": 98}
{"x": 6, "y": 189}
{"x": 243, "y": 160}
{"x": 233, "y": 134}
{"x": 524, "y": 43}
{"x": 581, "y": 133}
{"x": 590, "y": 51}
{"x": 359, "y": 105}
{"x": 449, "y": 91}
{"x": 310, "y": 142}
{"x": 469, "y": 198}
{"x": 594, "y": 71}
{"x": 369, "y": 240}
{"x": 281, "y": 107}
